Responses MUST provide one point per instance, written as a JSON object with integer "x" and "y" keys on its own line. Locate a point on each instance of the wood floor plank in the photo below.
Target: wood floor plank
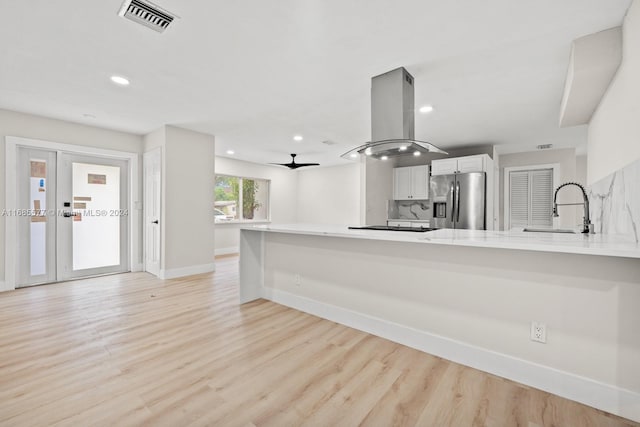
{"x": 351, "y": 404}
{"x": 407, "y": 397}
{"x": 132, "y": 349}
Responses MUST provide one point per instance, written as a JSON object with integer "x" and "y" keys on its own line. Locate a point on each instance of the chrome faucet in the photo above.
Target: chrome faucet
{"x": 587, "y": 226}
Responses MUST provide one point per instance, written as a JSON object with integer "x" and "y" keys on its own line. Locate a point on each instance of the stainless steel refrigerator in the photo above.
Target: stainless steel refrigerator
{"x": 459, "y": 201}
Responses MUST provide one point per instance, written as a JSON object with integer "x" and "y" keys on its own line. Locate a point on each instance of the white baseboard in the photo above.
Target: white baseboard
{"x": 227, "y": 251}
{"x": 624, "y": 403}
{"x": 4, "y": 286}
{"x": 187, "y": 271}
{"x": 137, "y": 267}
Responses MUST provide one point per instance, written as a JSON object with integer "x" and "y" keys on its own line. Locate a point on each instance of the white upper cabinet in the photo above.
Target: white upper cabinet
{"x": 444, "y": 166}
{"x": 411, "y": 183}
{"x": 477, "y": 163}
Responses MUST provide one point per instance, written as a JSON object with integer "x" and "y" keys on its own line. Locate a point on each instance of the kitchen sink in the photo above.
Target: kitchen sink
{"x": 551, "y": 230}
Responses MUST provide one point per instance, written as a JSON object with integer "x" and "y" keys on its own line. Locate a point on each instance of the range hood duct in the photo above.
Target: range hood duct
{"x": 392, "y": 119}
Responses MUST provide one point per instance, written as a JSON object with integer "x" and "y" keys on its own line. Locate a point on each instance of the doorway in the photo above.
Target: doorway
{"x": 71, "y": 214}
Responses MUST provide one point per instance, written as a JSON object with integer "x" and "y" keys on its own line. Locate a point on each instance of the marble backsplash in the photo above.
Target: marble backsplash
{"x": 409, "y": 209}
{"x": 615, "y": 202}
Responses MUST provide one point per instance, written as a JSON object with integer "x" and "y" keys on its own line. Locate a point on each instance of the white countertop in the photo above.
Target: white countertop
{"x": 593, "y": 244}
{"x": 408, "y": 220}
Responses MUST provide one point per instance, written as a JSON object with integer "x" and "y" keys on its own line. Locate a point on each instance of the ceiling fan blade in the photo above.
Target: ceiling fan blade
{"x": 300, "y": 165}
{"x": 293, "y": 164}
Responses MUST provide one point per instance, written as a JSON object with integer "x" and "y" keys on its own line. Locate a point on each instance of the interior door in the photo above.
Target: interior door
{"x": 152, "y": 206}
{"x": 92, "y": 225}
{"x": 35, "y": 214}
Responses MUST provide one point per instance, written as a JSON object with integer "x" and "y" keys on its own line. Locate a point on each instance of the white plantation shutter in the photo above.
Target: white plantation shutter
{"x": 541, "y": 197}
{"x": 531, "y": 198}
{"x": 519, "y": 199}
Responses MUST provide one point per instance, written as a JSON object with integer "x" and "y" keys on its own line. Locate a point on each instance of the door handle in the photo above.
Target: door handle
{"x": 457, "y": 202}
{"x": 453, "y": 201}
{"x": 69, "y": 214}
{"x": 154, "y": 222}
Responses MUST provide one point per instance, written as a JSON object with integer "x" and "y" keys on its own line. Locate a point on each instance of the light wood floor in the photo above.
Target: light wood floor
{"x": 131, "y": 349}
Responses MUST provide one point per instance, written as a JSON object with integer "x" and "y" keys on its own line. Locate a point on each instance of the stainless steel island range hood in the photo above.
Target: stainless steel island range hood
{"x": 392, "y": 119}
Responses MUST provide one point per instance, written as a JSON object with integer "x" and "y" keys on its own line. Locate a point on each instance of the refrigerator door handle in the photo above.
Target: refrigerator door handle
{"x": 453, "y": 203}
{"x": 457, "y": 203}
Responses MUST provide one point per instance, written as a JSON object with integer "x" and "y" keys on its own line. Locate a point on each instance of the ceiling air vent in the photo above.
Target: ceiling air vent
{"x": 544, "y": 146}
{"x": 147, "y": 14}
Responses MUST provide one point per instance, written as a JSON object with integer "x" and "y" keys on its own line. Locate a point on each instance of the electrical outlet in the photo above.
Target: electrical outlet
{"x": 297, "y": 280}
{"x": 538, "y": 332}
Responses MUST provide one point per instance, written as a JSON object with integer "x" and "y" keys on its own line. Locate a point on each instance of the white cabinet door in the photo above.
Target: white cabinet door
{"x": 411, "y": 183}
{"x": 459, "y": 165}
{"x": 471, "y": 164}
{"x": 444, "y": 166}
{"x": 402, "y": 183}
{"x": 420, "y": 182}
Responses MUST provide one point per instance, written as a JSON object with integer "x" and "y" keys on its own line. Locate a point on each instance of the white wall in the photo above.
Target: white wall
{"x": 24, "y": 125}
{"x": 378, "y": 190}
{"x": 187, "y": 219}
{"x": 36, "y": 127}
{"x": 581, "y": 169}
{"x": 329, "y": 195}
{"x": 566, "y": 158}
{"x": 283, "y": 193}
{"x": 614, "y": 130}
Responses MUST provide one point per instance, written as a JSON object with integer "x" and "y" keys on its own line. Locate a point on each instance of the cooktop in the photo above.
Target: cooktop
{"x": 392, "y": 228}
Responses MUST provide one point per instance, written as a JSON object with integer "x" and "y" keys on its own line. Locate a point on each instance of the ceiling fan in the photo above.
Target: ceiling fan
{"x": 294, "y": 165}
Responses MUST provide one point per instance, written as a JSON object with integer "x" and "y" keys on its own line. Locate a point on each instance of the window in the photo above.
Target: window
{"x": 530, "y": 196}
{"x": 241, "y": 199}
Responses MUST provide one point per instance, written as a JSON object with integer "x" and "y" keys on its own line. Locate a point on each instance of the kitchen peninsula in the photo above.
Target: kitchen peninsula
{"x": 470, "y": 297}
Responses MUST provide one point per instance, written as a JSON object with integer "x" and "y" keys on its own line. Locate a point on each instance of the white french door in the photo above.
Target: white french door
{"x": 36, "y": 226}
{"x": 75, "y": 221}
{"x": 93, "y": 222}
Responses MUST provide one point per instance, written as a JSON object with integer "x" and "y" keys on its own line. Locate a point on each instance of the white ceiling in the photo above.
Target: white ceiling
{"x": 255, "y": 72}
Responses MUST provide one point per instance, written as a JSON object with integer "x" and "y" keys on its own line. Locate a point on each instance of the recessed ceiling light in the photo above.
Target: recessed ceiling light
{"x": 426, "y": 109}
{"x": 403, "y": 148}
{"x": 353, "y": 155}
{"x": 416, "y": 153}
{"x": 119, "y": 80}
{"x": 231, "y": 152}
{"x": 297, "y": 138}
{"x": 384, "y": 158}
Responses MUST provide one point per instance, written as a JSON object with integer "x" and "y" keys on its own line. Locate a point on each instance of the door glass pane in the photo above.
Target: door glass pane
{"x": 38, "y": 217}
{"x": 97, "y": 214}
